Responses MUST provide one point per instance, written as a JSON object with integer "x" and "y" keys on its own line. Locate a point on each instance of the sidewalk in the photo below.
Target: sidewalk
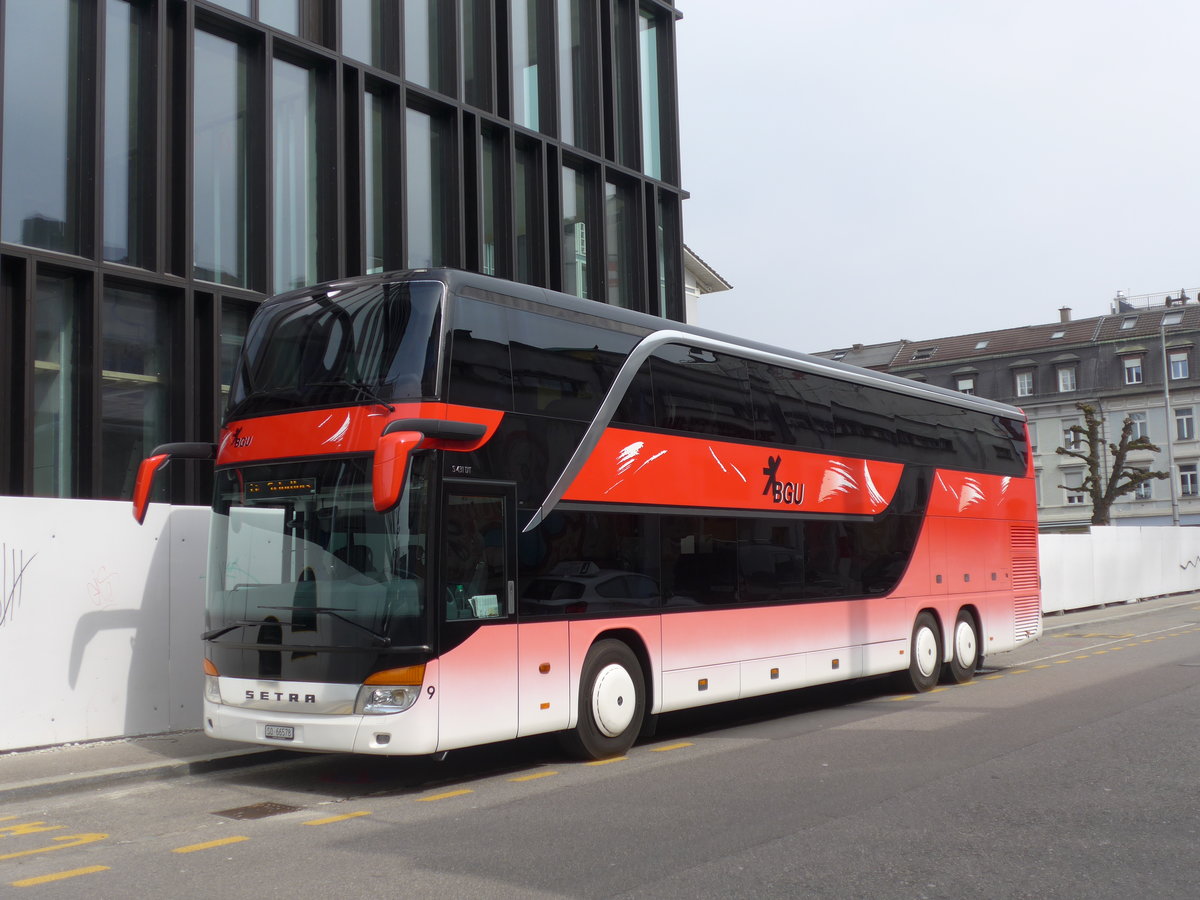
{"x": 27, "y": 774}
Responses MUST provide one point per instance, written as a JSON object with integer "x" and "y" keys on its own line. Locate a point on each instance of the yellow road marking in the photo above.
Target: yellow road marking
{"x": 938, "y": 690}
{"x": 533, "y": 777}
{"x": 1085, "y": 656}
{"x": 27, "y": 828}
{"x": 1059, "y": 662}
{"x": 67, "y": 840}
{"x": 208, "y": 845}
{"x": 678, "y": 746}
{"x": 992, "y": 677}
{"x": 1043, "y": 666}
{"x": 605, "y": 762}
{"x": 58, "y": 876}
{"x": 1017, "y": 671}
{"x": 341, "y": 818}
{"x": 445, "y": 796}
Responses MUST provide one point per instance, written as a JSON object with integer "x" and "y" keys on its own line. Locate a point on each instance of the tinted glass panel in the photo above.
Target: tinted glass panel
{"x": 135, "y": 365}
{"x": 55, "y": 352}
{"x": 699, "y": 560}
{"x": 576, "y": 563}
{"x": 562, "y": 368}
{"x": 124, "y": 131}
{"x": 41, "y": 112}
{"x": 375, "y": 343}
{"x": 363, "y": 30}
{"x": 316, "y": 568}
{"x": 702, "y": 392}
{"x": 219, "y": 190}
{"x": 480, "y": 372}
{"x": 295, "y": 175}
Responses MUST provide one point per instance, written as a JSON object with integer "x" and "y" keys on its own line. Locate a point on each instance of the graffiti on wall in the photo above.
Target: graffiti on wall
{"x": 13, "y": 564}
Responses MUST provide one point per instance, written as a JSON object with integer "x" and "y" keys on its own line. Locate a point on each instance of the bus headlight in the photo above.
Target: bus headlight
{"x": 390, "y": 691}
{"x": 375, "y": 700}
{"x": 212, "y": 688}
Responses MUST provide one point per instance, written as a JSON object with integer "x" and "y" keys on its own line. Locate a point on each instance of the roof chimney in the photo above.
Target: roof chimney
{"x": 1064, "y": 314}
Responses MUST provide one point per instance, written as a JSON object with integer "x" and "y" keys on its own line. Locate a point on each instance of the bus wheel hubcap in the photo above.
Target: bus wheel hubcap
{"x": 964, "y": 645}
{"x": 613, "y": 700}
{"x": 926, "y": 651}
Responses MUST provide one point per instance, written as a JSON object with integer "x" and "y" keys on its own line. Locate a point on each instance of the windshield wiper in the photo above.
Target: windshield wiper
{"x": 381, "y": 640}
{"x": 336, "y": 613}
{"x": 362, "y": 387}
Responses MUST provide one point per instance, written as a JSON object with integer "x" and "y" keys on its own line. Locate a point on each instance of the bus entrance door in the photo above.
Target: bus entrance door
{"x": 477, "y": 670}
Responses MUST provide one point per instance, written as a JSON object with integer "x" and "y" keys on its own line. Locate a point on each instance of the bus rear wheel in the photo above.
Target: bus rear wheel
{"x": 924, "y": 655}
{"x": 964, "y": 646}
{"x": 612, "y": 702}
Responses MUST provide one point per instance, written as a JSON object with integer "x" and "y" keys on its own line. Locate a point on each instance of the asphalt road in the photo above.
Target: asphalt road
{"x": 1067, "y": 769}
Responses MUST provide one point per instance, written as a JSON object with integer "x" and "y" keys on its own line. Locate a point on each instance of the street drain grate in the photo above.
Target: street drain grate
{"x": 257, "y": 811}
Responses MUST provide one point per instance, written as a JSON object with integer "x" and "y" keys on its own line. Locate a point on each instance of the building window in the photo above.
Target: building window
{"x": 576, "y": 219}
{"x": 1128, "y": 322}
{"x": 375, "y": 109}
{"x": 980, "y": 345}
{"x": 44, "y": 148}
{"x": 219, "y": 152}
{"x": 1179, "y": 364}
{"x": 668, "y": 241}
{"x": 527, "y": 71}
{"x": 1066, "y": 379}
{"x": 1033, "y": 436}
{"x": 1185, "y": 424}
{"x": 923, "y": 353}
{"x": 577, "y": 74}
{"x": 650, "y": 79}
{"x": 528, "y": 209}
{"x": 128, "y": 132}
{"x": 1072, "y": 440}
{"x": 966, "y": 384}
{"x": 235, "y": 321}
{"x": 135, "y": 348}
{"x": 425, "y": 55}
{"x": 1076, "y": 499}
{"x": 494, "y": 260}
{"x": 363, "y": 30}
{"x": 427, "y": 195}
{"x": 1189, "y": 483}
{"x": 1024, "y": 383}
{"x": 56, "y": 332}
{"x": 620, "y": 230}
{"x": 1133, "y": 369}
{"x": 478, "y": 57}
{"x": 1144, "y": 490}
{"x": 1139, "y": 427}
{"x": 294, "y": 175}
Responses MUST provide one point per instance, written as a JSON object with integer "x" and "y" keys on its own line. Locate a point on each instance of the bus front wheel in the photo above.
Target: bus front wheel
{"x": 924, "y": 655}
{"x": 612, "y": 702}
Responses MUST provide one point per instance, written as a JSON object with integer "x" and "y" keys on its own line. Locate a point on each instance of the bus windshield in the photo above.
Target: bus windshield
{"x": 300, "y": 558}
{"x": 374, "y": 343}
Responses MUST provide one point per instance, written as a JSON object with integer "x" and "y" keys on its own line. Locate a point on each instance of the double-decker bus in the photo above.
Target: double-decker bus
{"x": 451, "y": 509}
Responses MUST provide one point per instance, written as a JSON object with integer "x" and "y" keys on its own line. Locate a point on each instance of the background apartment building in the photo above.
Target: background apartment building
{"x": 165, "y": 164}
{"x": 1139, "y": 361}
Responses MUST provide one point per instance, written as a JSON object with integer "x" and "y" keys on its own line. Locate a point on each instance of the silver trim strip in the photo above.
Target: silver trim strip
{"x": 652, "y": 342}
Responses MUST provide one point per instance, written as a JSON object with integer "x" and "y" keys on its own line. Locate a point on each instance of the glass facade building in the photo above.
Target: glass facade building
{"x": 166, "y": 164}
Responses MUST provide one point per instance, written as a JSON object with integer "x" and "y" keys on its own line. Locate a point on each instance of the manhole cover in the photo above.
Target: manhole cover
{"x": 257, "y": 811}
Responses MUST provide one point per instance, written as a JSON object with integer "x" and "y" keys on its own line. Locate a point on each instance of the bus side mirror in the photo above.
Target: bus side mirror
{"x": 391, "y": 466}
{"x": 154, "y": 463}
{"x": 145, "y": 481}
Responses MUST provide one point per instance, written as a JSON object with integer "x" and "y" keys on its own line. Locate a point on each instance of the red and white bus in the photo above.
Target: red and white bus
{"x": 452, "y": 510}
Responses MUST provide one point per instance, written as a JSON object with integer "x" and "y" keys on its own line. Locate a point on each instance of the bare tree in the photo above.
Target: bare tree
{"x": 1122, "y": 478}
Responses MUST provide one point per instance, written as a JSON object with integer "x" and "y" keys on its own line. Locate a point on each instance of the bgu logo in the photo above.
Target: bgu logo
{"x": 239, "y": 441}
{"x": 788, "y": 493}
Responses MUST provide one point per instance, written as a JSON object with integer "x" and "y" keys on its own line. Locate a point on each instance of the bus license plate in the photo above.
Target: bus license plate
{"x": 280, "y": 732}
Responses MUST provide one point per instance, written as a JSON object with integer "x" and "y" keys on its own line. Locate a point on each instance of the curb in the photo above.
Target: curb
{"x": 172, "y": 768}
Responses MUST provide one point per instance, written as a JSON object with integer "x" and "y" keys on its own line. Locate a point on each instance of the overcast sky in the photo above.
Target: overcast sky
{"x": 870, "y": 170}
